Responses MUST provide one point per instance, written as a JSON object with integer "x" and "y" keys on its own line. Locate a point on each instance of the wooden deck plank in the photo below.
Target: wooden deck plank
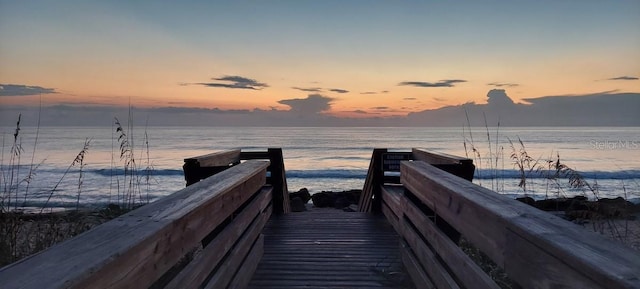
{"x": 328, "y": 248}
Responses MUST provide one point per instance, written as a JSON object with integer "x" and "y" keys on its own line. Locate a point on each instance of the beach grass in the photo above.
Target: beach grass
{"x": 27, "y": 230}
{"x": 618, "y": 222}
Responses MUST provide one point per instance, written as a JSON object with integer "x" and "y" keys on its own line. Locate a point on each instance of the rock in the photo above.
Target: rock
{"x": 297, "y": 205}
{"x": 558, "y": 204}
{"x": 341, "y": 202}
{"x": 303, "y": 194}
{"x": 580, "y": 208}
{"x": 324, "y": 199}
{"x": 336, "y": 200}
{"x": 616, "y": 208}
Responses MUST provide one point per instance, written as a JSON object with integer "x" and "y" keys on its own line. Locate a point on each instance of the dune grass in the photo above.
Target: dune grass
{"x": 558, "y": 179}
{"x": 24, "y": 233}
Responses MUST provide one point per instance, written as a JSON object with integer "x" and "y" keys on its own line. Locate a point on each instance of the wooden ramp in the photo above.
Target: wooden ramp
{"x": 329, "y": 248}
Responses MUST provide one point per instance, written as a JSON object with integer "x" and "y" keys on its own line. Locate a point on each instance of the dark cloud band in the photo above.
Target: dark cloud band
{"x": 441, "y": 83}
{"x": 308, "y": 89}
{"x": 338, "y": 90}
{"x": 234, "y": 82}
{"x": 23, "y": 90}
{"x": 624, "y": 78}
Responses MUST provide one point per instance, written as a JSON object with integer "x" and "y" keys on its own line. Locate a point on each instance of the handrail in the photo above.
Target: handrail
{"x": 383, "y": 161}
{"x": 217, "y": 159}
{"x": 536, "y": 249}
{"x": 201, "y": 167}
{"x": 221, "y": 217}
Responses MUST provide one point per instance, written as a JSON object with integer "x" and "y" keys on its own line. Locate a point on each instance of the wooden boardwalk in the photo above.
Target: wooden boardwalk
{"x": 232, "y": 228}
{"x": 329, "y": 248}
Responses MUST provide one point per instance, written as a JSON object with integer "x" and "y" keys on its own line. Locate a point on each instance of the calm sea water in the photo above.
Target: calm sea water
{"x": 316, "y": 158}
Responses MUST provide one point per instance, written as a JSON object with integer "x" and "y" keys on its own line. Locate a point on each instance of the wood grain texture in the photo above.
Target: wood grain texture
{"x": 328, "y": 248}
{"x": 392, "y": 208}
{"x": 195, "y": 273}
{"x": 245, "y": 273}
{"x": 216, "y": 159}
{"x": 490, "y": 221}
{"x": 235, "y": 259}
{"x": 420, "y": 277}
{"x": 392, "y": 218}
{"x": 427, "y": 258}
{"x": 394, "y": 198}
{"x": 372, "y": 183}
{"x": 411, "y": 217}
{"x": 133, "y": 250}
{"x": 434, "y": 158}
{"x": 459, "y": 166}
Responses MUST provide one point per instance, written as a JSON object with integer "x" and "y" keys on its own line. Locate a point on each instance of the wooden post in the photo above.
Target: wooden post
{"x": 278, "y": 181}
{"x": 191, "y": 170}
{"x": 371, "y": 199}
{"x": 201, "y": 167}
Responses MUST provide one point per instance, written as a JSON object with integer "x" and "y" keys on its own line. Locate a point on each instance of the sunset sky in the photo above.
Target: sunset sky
{"x": 350, "y": 58}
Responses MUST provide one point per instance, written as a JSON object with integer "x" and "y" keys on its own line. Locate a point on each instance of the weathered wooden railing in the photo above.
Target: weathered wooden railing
{"x": 384, "y": 161}
{"x": 384, "y": 169}
{"x": 218, "y": 220}
{"x": 201, "y": 167}
{"x": 534, "y": 248}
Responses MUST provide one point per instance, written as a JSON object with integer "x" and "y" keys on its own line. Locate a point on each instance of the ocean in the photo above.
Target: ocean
{"x": 316, "y": 158}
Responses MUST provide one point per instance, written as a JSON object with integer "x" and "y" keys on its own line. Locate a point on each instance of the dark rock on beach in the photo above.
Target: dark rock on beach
{"x": 336, "y": 200}
{"x": 299, "y": 199}
{"x": 297, "y": 205}
{"x": 580, "y": 207}
{"x": 303, "y": 194}
{"x": 556, "y": 204}
{"x": 323, "y": 199}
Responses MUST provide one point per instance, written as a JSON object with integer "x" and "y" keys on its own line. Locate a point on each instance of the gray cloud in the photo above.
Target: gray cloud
{"x": 438, "y": 99}
{"x": 313, "y": 104}
{"x": 441, "y": 83}
{"x": 409, "y": 98}
{"x": 308, "y": 89}
{"x": 375, "y": 92}
{"x": 23, "y": 90}
{"x": 608, "y": 108}
{"x": 503, "y": 84}
{"x": 624, "y": 78}
{"x": 598, "y": 109}
{"x": 499, "y": 98}
{"x": 236, "y": 82}
{"x": 318, "y": 89}
{"x": 338, "y": 90}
